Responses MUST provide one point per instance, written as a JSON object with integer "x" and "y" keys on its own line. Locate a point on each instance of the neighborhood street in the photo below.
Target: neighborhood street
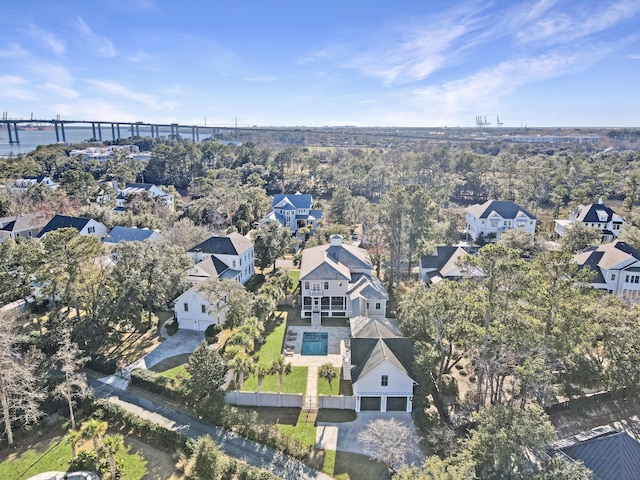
{"x": 232, "y": 444}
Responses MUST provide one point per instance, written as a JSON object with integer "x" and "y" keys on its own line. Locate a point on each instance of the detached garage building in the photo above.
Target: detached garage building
{"x": 381, "y": 366}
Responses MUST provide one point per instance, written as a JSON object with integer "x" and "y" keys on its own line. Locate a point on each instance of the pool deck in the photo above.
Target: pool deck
{"x": 338, "y": 340}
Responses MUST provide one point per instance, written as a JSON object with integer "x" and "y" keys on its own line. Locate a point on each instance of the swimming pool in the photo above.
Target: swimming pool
{"x": 315, "y": 343}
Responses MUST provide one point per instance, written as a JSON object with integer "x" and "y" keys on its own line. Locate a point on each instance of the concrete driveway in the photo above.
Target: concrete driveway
{"x": 184, "y": 341}
{"x": 347, "y": 433}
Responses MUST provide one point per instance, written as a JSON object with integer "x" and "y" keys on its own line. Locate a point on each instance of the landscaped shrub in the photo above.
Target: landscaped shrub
{"x": 211, "y": 332}
{"x": 172, "y": 326}
{"x": 156, "y": 383}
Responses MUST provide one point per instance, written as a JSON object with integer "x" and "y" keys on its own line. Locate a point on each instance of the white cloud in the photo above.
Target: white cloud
{"x": 119, "y": 90}
{"x": 52, "y": 73}
{"x": 413, "y": 52}
{"x": 488, "y": 88}
{"x": 554, "y": 26}
{"x": 16, "y": 88}
{"x": 61, "y": 91}
{"x": 103, "y": 46}
{"x": 13, "y": 50}
{"x": 261, "y": 78}
{"x": 55, "y": 44}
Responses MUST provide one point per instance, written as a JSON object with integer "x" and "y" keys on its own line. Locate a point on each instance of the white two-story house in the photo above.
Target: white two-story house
{"x": 493, "y": 217}
{"x": 616, "y": 267}
{"x": 167, "y": 199}
{"x": 231, "y": 255}
{"x": 337, "y": 281}
{"x": 293, "y": 211}
{"x": 596, "y": 215}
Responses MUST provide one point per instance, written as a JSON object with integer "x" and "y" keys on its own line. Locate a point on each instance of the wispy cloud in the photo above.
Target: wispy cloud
{"x": 103, "y": 45}
{"x": 15, "y": 87}
{"x": 13, "y": 50}
{"x": 490, "y": 87}
{"x": 123, "y": 92}
{"x": 410, "y": 52}
{"x": 55, "y": 44}
{"x": 555, "y": 26}
{"x": 261, "y": 78}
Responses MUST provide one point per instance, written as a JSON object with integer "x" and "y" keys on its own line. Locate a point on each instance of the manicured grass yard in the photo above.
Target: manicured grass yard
{"x": 295, "y": 276}
{"x": 55, "y": 455}
{"x": 295, "y": 382}
{"x": 271, "y": 349}
{"x": 176, "y": 373}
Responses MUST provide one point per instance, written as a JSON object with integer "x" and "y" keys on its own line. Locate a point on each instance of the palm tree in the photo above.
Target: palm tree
{"x": 93, "y": 429}
{"x": 261, "y": 371}
{"x": 252, "y": 328}
{"x": 242, "y": 366}
{"x": 328, "y": 373}
{"x": 112, "y": 444}
{"x": 73, "y": 438}
{"x": 281, "y": 369}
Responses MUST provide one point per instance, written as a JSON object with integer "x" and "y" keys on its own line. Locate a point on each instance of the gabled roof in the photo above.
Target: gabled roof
{"x": 19, "y": 223}
{"x": 64, "y": 221}
{"x": 338, "y": 257}
{"x": 232, "y": 244}
{"x": 208, "y": 267}
{"x": 369, "y": 353}
{"x": 140, "y": 186}
{"x": 609, "y": 457}
{"x": 504, "y": 208}
{"x": 298, "y": 200}
{"x": 365, "y": 327}
{"x": 368, "y": 287}
{"x": 129, "y": 234}
{"x": 595, "y": 213}
{"x": 609, "y": 256}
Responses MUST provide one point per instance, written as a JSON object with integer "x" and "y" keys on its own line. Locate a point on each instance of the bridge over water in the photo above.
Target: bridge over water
{"x": 116, "y": 130}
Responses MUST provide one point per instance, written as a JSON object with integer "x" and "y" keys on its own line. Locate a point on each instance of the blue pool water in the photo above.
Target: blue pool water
{"x": 315, "y": 343}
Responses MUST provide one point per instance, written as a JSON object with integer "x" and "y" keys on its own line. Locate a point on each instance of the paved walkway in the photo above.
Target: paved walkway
{"x": 233, "y": 445}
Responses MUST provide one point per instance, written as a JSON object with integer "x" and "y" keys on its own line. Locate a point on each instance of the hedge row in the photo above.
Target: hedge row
{"x": 156, "y": 383}
{"x": 168, "y": 440}
{"x": 146, "y": 430}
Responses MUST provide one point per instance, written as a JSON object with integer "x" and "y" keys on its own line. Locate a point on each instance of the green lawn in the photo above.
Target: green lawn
{"x": 295, "y": 382}
{"x": 295, "y": 277}
{"x": 176, "y": 373}
{"x": 302, "y": 430}
{"x": 323, "y": 385}
{"x": 271, "y": 349}
{"x": 55, "y": 456}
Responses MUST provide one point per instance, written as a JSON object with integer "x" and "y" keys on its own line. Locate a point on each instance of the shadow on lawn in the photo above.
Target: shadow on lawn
{"x": 359, "y": 467}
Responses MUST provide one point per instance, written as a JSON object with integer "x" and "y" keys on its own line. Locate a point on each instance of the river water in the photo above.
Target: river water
{"x": 30, "y": 139}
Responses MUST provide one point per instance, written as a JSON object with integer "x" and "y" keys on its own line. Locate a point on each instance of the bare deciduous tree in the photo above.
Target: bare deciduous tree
{"x": 20, "y": 391}
{"x": 74, "y": 385}
{"x": 387, "y": 441}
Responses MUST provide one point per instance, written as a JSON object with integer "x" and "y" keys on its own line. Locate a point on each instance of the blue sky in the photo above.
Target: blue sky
{"x": 401, "y": 63}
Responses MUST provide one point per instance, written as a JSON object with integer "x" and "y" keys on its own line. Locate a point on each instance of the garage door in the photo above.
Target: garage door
{"x": 370, "y": 403}
{"x": 203, "y": 324}
{"x": 396, "y": 404}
